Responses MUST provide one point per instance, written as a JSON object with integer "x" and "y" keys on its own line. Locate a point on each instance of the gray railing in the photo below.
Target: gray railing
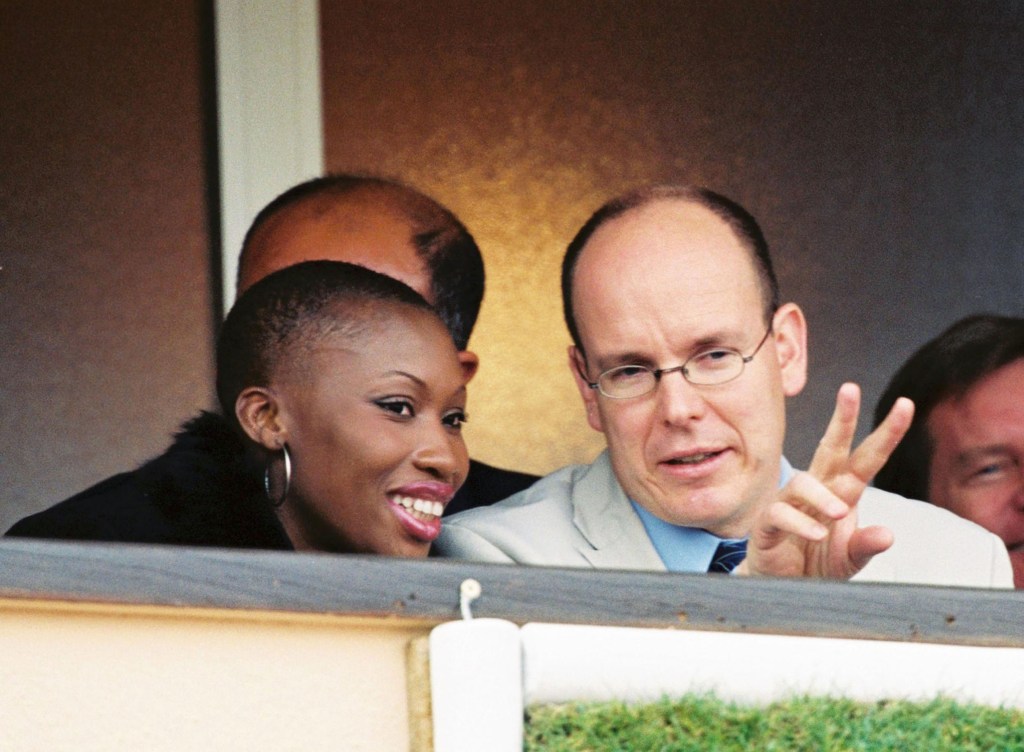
{"x": 428, "y": 591}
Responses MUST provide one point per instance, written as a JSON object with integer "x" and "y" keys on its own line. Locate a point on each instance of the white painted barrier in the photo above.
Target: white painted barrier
{"x": 591, "y": 663}
{"x": 561, "y": 663}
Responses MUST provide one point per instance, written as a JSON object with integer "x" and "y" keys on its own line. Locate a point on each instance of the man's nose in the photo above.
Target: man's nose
{"x": 1018, "y": 491}
{"x": 679, "y": 401}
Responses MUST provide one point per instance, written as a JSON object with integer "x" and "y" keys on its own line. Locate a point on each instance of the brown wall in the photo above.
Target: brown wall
{"x": 881, "y": 144}
{"x": 105, "y": 302}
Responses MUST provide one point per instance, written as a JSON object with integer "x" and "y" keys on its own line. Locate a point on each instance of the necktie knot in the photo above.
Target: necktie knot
{"x": 727, "y": 556}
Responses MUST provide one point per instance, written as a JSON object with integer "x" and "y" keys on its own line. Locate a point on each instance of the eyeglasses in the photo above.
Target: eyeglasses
{"x": 716, "y": 365}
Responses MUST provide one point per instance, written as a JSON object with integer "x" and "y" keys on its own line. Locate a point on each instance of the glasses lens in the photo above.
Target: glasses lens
{"x": 626, "y": 381}
{"x": 714, "y": 367}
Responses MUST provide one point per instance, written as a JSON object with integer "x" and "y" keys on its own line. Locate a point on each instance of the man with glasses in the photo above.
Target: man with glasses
{"x": 684, "y": 356}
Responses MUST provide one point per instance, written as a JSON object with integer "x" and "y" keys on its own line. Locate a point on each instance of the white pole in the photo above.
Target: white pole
{"x": 270, "y": 121}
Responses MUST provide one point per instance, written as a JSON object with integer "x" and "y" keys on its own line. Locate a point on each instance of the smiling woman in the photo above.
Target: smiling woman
{"x": 344, "y": 400}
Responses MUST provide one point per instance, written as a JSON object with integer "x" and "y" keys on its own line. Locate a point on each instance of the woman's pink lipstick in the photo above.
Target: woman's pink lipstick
{"x": 419, "y": 506}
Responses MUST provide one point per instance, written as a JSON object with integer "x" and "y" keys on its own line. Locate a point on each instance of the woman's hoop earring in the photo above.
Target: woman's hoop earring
{"x": 287, "y": 479}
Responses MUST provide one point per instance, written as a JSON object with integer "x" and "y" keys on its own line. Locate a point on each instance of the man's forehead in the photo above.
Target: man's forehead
{"x": 660, "y": 339}
{"x": 365, "y": 232}
{"x": 673, "y": 265}
{"x": 676, "y": 222}
{"x": 991, "y": 406}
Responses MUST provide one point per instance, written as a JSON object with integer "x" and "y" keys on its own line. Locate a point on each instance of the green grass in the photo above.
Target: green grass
{"x": 812, "y": 724}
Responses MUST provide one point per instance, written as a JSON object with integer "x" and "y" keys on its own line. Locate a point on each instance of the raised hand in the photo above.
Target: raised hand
{"x": 810, "y": 529}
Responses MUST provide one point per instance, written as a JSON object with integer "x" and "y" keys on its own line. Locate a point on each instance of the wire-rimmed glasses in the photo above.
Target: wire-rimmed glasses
{"x": 716, "y": 365}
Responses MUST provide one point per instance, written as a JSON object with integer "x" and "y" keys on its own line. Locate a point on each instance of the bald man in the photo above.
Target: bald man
{"x": 684, "y": 354}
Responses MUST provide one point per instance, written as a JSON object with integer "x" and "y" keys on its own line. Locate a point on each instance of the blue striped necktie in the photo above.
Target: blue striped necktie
{"x": 728, "y": 555}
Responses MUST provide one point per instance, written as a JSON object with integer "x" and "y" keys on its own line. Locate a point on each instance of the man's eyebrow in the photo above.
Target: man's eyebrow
{"x": 632, "y": 358}
{"x": 975, "y": 453}
{"x": 636, "y": 358}
{"x": 716, "y": 340}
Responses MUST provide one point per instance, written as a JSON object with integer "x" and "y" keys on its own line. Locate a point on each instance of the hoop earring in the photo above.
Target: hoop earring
{"x": 287, "y": 479}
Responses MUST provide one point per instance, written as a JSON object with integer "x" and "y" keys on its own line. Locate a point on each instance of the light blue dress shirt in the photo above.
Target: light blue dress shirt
{"x": 688, "y": 549}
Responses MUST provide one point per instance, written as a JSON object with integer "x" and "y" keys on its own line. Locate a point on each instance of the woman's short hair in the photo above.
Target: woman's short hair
{"x": 295, "y": 308}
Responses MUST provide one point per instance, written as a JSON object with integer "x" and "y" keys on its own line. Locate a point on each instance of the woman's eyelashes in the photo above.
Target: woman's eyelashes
{"x": 402, "y": 408}
{"x": 454, "y": 419}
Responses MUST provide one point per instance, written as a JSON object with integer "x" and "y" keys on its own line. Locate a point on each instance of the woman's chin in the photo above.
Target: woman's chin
{"x": 407, "y": 549}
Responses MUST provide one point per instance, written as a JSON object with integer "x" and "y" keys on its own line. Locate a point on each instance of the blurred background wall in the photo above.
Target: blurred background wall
{"x": 106, "y": 314}
{"x": 881, "y": 145}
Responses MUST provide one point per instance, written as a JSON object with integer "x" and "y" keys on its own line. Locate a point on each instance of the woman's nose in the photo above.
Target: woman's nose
{"x": 438, "y": 454}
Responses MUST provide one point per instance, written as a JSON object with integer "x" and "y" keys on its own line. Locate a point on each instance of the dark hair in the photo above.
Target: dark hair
{"x": 947, "y": 366}
{"x": 296, "y": 307}
{"x": 734, "y": 215}
{"x": 449, "y": 252}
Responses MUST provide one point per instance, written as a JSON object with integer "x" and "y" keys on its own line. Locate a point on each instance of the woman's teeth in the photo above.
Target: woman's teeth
{"x": 423, "y": 506}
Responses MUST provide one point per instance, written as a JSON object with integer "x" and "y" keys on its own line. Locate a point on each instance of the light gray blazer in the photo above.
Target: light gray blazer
{"x": 579, "y": 516}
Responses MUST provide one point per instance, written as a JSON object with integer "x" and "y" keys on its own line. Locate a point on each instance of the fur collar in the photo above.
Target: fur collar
{"x": 209, "y": 491}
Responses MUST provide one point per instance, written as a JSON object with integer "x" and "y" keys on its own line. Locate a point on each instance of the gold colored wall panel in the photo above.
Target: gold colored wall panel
{"x": 846, "y": 128}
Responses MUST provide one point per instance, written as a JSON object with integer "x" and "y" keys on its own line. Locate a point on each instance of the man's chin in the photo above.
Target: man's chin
{"x": 710, "y": 509}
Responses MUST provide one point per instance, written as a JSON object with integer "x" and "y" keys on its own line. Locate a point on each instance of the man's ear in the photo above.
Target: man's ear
{"x": 259, "y": 413}
{"x": 578, "y": 367}
{"x": 790, "y": 333}
{"x": 469, "y": 362}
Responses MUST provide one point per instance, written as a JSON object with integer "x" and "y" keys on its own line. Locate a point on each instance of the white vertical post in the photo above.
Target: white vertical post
{"x": 476, "y": 686}
{"x": 270, "y": 122}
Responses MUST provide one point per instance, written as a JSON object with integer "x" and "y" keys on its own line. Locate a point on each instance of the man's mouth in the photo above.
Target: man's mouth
{"x": 693, "y": 459}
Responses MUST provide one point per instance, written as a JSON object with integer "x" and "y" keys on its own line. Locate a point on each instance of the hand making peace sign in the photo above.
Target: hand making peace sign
{"x": 810, "y": 529}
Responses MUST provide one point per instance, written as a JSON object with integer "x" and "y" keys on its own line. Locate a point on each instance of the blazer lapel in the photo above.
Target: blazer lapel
{"x": 606, "y": 519}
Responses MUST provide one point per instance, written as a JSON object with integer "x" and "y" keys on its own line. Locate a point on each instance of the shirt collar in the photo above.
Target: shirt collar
{"x": 689, "y": 549}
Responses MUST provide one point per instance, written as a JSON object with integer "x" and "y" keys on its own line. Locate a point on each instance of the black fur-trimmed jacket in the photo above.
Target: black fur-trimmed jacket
{"x": 200, "y": 492}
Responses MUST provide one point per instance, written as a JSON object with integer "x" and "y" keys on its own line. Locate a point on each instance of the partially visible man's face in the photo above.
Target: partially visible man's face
{"x": 977, "y": 464}
{"x": 356, "y": 230}
{"x": 653, "y": 287}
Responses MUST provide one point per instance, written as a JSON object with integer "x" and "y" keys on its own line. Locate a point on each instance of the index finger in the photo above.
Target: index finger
{"x": 868, "y": 458}
{"x": 833, "y": 452}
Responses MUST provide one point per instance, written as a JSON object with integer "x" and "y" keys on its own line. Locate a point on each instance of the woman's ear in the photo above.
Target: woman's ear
{"x": 259, "y": 414}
